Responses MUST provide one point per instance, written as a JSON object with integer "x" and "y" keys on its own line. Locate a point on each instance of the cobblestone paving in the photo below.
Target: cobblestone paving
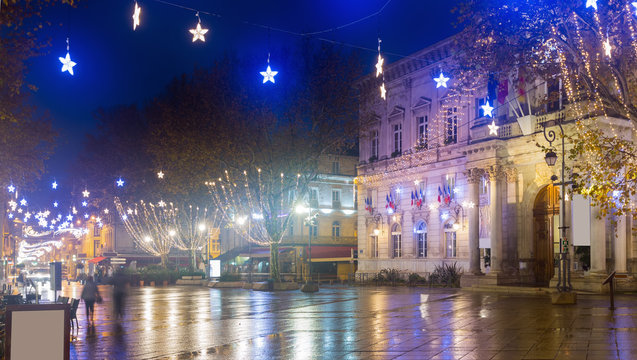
{"x": 355, "y": 323}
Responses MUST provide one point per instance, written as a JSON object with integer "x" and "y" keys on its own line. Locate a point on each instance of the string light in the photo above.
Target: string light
{"x": 136, "y": 13}
{"x": 268, "y": 74}
{"x": 67, "y": 63}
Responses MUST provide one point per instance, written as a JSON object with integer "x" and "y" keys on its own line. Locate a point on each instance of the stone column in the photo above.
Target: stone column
{"x": 598, "y": 242}
{"x": 620, "y": 245}
{"x": 495, "y": 209}
{"x": 474, "y": 176}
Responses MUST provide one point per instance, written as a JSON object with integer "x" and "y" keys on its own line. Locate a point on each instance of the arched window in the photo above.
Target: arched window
{"x": 397, "y": 240}
{"x": 450, "y": 240}
{"x": 374, "y": 245}
{"x": 336, "y": 229}
{"x": 421, "y": 239}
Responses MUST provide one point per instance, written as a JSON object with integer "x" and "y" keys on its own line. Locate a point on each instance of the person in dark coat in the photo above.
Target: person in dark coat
{"x": 90, "y": 294}
{"x": 119, "y": 282}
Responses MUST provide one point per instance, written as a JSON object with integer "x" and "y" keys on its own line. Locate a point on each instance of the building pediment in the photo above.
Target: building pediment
{"x": 422, "y": 102}
{"x": 397, "y": 112}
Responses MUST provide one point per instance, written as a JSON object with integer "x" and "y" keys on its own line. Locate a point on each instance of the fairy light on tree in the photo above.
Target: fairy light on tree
{"x": 267, "y": 198}
{"x": 193, "y": 226}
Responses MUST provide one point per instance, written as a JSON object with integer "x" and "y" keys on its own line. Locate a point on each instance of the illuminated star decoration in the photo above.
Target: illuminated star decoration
{"x": 85, "y": 193}
{"x": 592, "y": 3}
{"x": 160, "y": 174}
{"x": 23, "y": 202}
{"x": 493, "y": 128}
{"x": 105, "y": 211}
{"x": 379, "y": 65}
{"x": 86, "y": 216}
{"x": 487, "y": 109}
{"x": 138, "y": 11}
{"x": 10, "y": 215}
{"x": 607, "y": 47}
{"x": 635, "y": 6}
{"x": 120, "y": 182}
{"x": 84, "y": 203}
{"x": 198, "y": 32}
{"x": 69, "y": 217}
{"x": 67, "y": 63}
{"x": 441, "y": 80}
{"x": 55, "y": 204}
{"x": 268, "y": 74}
{"x": 11, "y": 188}
{"x": 161, "y": 203}
{"x": 129, "y": 211}
{"x": 54, "y": 185}
{"x": 383, "y": 92}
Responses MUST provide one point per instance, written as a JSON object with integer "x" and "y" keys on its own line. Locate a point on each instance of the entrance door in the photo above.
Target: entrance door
{"x": 545, "y": 211}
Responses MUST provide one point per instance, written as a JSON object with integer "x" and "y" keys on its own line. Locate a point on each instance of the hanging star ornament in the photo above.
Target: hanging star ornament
{"x": 487, "y": 109}
{"x": 607, "y": 48}
{"x": 591, "y": 3}
{"x": 161, "y": 203}
{"x": 383, "y": 92}
{"x": 55, "y": 204}
{"x": 198, "y": 33}
{"x": 84, "y": 203}
{"x": 441, "y": 80}
{"x": 120, "y": 182}
{"x": 160, "y": 174}
{"x": 23, "y": 202}
{"x": 138, "y": 11}
{"x": 379, "y": 65}
{"x": 268, "y": 75}
{"x": 11, "y": 188}
{"x": 54, "y": 185}
{"x": 493, "y": 128}
{"x": 67, "y": 63}
{"x": 85, "y": 193}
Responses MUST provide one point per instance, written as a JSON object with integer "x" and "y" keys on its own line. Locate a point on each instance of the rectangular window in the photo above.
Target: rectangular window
{"x": 423, "y": 131}
{"x": 314, "y": 196}
{"x": 374, "y": 252}
{"x": 397, "y": 244}
{"x": 398, "y": 139}
{"x": 336, "y": 198}
{"x": 422, "y": 244}
{"x": 336, "y": 229}
{"x": 374, "y": 144}
{"x": 96, "y": 230}
{"x": 452, "y": 126}
{"x": 314, "y": 228}
{"x": 450, "y": 242}
{"x": 336, "y": 167}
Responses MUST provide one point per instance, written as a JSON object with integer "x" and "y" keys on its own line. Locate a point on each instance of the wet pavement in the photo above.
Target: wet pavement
{"x": 354, "y": 323}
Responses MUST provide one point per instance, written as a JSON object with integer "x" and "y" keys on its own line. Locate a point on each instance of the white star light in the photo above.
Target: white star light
{"x": 493, "y": 128}
{"x": 120, "y": 182}
{"x": 98, "y": 219}
{"x": 268, "y": 75}
{"x": 129, "y": 211}
{"x": 161, "y": 203}
{"x": 54, "y": 185}
{"x": 67, "y": 63}
{"x": 10, "y": 215}
{"x": 12, "y": 204}
{"x": 105, "y": 211}
{"x": 592, "y": 3}
{"x": 487, "y": 109}
{"x": 379, "y": 65}
{"x": 11, "y": 188}
{"x": 74, "y": 211}
{"x": 124, "y": 217}
{"x": 198, "y": 33}
{"x": 607, "y": 47}
{"x": 69, "y": 217}
{"x": 138, "y": 11}
{"x": 84, "y": 203}
{"x": 383, "y": 92}
{"x": 55, "y": 204}
{"x": 160, "y": 174}
{"x": 635, "y": 6}
{"x": 86, "y": 216}
{"x": 85, "y": 193}
{"x": 23, "y": 202}
{"x": 20, "y": 211}
{"x": 441, "y": 80}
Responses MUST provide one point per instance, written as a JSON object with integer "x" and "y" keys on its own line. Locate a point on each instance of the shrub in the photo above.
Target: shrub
{"x": 388, "y": 275}
{"x": 415, "y": 278}
{"x": 229, "y": 277}
{"x": 188, "y": 272}
{"x": 447, "y": 275}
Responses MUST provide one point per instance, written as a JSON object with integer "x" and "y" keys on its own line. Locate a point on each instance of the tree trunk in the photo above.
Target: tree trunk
{"x": 274, "y": 262}
{"x": 193, "y": 259}
{"x": 164, "y": 260}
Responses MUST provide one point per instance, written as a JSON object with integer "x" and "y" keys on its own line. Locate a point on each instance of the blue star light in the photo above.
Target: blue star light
{"x": 441, "y": 80}
{"x": 84, "y": 203}
{"x": 11, "y": 188}
{"x": 488, "y": 109}
{"x": 23, "y": 202}
{"x": 54, "y": 185}
{"x": 268, "y": 75}
{"x": 55, "y": 204}
{"x": 120, "y": 182}
{"x": 591, "y": 3}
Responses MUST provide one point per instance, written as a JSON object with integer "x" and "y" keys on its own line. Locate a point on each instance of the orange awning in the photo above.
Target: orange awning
{"x": 97, "y": 259}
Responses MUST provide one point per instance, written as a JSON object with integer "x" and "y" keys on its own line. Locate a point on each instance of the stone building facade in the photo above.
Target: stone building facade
{"x": 436, "y": 185}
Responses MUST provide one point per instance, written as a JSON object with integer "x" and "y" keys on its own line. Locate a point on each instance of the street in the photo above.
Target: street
{"x": 354, "y": 323}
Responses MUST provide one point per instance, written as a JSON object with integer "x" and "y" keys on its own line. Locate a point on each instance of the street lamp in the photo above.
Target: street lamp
{"x": 564, "y": 269}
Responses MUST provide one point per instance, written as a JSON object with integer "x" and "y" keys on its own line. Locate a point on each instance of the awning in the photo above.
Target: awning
{"x": 331, "y": 253}
{"x": 97, "y": 259}
{"x": 261, "y": 252}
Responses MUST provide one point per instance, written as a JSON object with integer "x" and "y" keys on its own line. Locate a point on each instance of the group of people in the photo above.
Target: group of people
{"x": 91, "y": 295}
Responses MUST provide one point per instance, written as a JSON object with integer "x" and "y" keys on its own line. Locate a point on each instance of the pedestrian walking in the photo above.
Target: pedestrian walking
{"x": 119, "y": 293}
{"x": 90, "y": 294}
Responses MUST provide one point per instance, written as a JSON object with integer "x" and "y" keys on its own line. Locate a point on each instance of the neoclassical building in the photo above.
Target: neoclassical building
{"x": 439, "y": 182}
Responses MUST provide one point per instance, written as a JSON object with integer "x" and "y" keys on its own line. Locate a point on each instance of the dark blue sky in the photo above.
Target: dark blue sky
{"x": 116, "y": 65}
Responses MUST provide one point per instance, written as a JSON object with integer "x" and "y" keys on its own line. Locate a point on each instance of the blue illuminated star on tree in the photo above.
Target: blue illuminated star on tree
{"x": 488, "y": 109}
{"x": 23, "y": 202}
{"x": 441, "y": 80}
{"x": 69, "y": 217}
{"x": 67, "y": 63}
{"x": 591, "y": 3}
{"x": 120, "y": 182}
{"x": 11, "y": 188}
{"x": 84, "y": 203}
{"x": 54, "y": 185}
{"x": 55, "y": 204}
{"x": 268, "y": 75}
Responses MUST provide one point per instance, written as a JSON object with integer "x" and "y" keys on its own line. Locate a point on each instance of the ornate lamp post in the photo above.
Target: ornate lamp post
{"x": 564, "y": 269}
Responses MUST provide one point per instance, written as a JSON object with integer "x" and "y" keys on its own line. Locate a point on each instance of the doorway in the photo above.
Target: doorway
{"x": 546, "y": 212}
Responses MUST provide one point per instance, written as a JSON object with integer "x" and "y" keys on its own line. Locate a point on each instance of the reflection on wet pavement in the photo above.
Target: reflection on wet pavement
{"x": 353, "y": 323}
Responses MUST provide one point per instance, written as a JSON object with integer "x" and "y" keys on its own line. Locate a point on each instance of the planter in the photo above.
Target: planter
{"x": 141, "y": 283}
{"x": 527, "y": 124}
{"x": 165, "y": 282}
{"x": 152, "y": 283}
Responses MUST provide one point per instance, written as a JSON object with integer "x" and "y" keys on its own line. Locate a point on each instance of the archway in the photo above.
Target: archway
{"x": 546, "y": 211}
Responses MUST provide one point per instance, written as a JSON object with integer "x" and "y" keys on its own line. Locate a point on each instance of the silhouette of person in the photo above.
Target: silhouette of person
{"x": 119, "y": 294}
{"x": 90, "y": 294}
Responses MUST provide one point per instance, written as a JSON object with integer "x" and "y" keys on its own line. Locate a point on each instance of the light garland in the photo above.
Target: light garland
{"x": 198, "y": 33}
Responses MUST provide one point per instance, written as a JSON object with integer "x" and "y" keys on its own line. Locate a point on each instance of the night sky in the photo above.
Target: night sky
{"x": 116, "y": 65}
